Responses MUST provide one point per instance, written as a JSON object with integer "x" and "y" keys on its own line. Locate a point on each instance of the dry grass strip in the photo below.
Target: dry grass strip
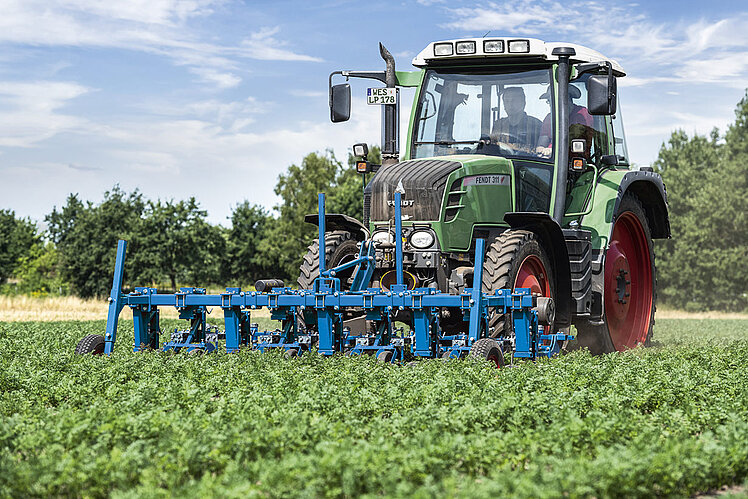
{"x": 70, "y": 308}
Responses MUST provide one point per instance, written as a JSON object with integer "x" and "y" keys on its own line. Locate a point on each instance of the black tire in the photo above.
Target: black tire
{"x": 488, "y": 349}
{"x": 339, "y": 248}
{"x": 385, "y": 356}
{"x": 504, "y": 258}
{"x": 92, "y": 343}
{"x": 292, "y": 352}
{"x": 597, "y": 338}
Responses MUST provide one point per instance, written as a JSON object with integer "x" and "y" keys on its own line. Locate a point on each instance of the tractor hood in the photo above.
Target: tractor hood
{"x": 423, "y": 182}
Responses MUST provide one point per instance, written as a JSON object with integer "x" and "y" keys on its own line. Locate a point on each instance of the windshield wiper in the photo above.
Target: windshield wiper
{"x": 446, "y": 142}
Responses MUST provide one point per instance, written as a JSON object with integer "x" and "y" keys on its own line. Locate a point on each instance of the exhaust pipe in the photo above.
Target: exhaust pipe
{"x": 390, "y": 152}
{"x": 562, "y": 148}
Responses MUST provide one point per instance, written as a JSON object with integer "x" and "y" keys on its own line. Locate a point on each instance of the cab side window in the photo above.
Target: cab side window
{"x": 619, "y": 137}
{"x": 582, "y": 125}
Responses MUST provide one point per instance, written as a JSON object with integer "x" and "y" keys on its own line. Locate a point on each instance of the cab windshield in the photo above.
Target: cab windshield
{"x": 498, "y": 113}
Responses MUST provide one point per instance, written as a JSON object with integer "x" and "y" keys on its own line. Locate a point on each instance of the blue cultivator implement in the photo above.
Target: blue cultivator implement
{"x": 314, "y": 318}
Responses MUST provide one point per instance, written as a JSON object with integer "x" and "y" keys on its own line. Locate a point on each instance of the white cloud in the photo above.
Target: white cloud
{"x": 219, "y": 78}
{"x": 701, "y": 51}
{"x": 29, "y": 111}
{"x": 154, "y": 26}
{"x": 263, "y": 45}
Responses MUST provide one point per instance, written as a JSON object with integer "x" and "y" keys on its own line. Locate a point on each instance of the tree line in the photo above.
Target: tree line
{"x": 172, "y": 244}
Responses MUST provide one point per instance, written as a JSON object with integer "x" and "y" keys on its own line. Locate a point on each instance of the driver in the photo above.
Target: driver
{"x": 517, "y": 128}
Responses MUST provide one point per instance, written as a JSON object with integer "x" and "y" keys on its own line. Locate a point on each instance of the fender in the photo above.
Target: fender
{"x": 338, "y": 221}
{"x": 552, "y": 239}
{"x": 612, "y": 185}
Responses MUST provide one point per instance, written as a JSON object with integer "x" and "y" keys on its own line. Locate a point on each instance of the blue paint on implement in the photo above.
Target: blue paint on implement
{"x": 314, "y": 317}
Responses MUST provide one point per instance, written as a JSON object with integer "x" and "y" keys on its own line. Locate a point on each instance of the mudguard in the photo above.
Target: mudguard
{"x": 612, "y": 185}
{"x": 553, "y": 241}
{"x": 338, "y": 221}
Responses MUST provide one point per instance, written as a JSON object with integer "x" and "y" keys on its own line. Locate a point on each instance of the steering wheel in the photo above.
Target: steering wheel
{"x": 486, "y": 144}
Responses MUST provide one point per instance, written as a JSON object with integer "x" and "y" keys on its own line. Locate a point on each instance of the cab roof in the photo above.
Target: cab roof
{"x": 496, "y": 48}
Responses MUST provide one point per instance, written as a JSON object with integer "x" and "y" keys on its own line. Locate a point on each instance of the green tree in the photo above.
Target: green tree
{"x": 17, "y": 237}
{"x": 243, "y": 263}
{"x": 87, "y": 235}
{"x": 289, "y": 236}
{"x": 175, "y": 243}
{"x": 703, "y": 266}
{"x": 38, "y": 271}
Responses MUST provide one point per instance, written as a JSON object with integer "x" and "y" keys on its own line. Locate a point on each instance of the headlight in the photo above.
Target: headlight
{"x": 383, "y": 236}
{"x": 421, "y": 239}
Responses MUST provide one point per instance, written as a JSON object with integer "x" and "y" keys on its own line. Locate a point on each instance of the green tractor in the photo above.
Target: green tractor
{"x": 520, "y": 142}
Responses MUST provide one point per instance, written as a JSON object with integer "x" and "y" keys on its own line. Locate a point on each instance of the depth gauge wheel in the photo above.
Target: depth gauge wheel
{"x": 385, "y": 356}
{"x": 488, "y": 349}
{"x": 630, "y": 285}
{"x": 516, "y": 259}
{"x": 92, "y": 343}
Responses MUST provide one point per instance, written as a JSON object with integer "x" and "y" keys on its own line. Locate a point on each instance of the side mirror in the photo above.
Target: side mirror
{"x": 601, "y": 93}
{"x": 340, "y": 102}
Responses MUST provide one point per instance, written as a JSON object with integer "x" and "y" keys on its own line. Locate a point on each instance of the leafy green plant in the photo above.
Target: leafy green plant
{"x": 666, "y": 421}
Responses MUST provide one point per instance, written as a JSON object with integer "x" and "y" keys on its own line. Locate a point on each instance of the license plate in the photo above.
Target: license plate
{"x": 376, "y": 96}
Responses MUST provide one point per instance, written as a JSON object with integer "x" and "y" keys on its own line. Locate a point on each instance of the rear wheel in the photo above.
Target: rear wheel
{"x": 92, "y": 343}
{"x": 629, "y": 285}
{"x": 516, "y": 259}
{"x": 488, "y": 349}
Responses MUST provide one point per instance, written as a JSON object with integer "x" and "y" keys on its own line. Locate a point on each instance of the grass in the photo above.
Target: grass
{"x": 668, "y": 421}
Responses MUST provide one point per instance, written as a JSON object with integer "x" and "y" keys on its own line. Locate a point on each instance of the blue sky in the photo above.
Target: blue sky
{"x": 215, "y": 98}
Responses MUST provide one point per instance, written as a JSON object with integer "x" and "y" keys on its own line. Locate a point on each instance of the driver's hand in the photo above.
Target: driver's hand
{"x": 544, "y": 152}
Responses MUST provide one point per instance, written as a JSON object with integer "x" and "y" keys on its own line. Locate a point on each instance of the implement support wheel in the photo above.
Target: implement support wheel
{"x": 92, "y": 343}
{"x": 630, "y": 284}
{"x": 488, "y": 349}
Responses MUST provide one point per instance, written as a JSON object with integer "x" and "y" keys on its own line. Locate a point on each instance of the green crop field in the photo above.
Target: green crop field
{"x": 671, "y": 420}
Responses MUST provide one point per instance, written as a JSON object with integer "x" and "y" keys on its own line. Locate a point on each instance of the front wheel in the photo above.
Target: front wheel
{"x": 629, "y": 285}
{"x": 516, "y": 259}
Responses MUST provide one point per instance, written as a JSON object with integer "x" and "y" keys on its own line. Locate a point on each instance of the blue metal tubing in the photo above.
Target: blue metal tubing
{"x": 321, "y": 224}
{"x": 116, "y": 299}
{"x": 398, "y": 239}
{"x": 352, "y": 263}
{"x": 372, "y": 298}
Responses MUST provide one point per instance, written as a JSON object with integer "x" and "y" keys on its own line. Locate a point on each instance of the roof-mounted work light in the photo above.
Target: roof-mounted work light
{"x": 519, "y": 46}
{"x": 493, "y": 46}
{"x": 467, "y": 47}
{"x": 443, "y": 49}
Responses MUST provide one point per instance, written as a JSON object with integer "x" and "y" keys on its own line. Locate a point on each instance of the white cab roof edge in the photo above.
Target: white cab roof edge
{"x": 538, "y": 48}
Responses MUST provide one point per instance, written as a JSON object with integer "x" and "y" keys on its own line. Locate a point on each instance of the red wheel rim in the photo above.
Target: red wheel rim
{"x": 532, "y": 274}
{"x": 628, "y": 283}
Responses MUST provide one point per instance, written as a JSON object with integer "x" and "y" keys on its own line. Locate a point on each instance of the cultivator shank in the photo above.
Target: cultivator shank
{"x": 314, "y": 318}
